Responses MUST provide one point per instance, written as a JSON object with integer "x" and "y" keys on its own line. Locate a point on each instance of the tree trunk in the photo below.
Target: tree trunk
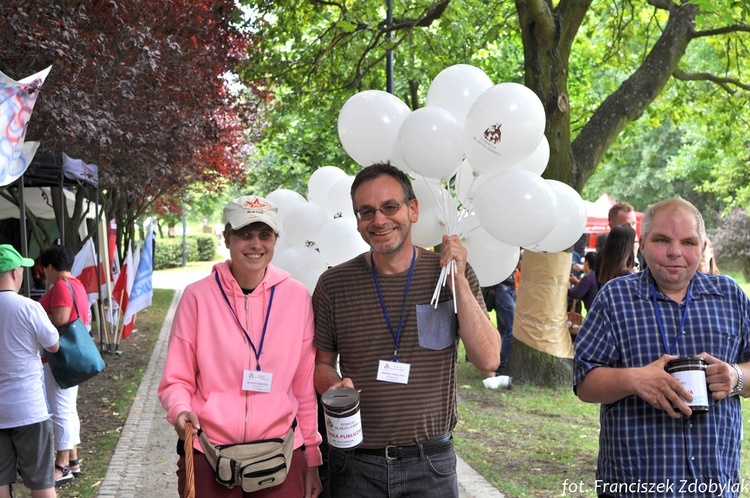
{"x": 530, "y": 366}
{"x": 542, "y": 349}
{"x": 548, "y": 35}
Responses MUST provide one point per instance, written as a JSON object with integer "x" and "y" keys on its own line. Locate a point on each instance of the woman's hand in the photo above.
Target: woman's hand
{"x": 313, "y": 487}
{"x": 182, "y": 419}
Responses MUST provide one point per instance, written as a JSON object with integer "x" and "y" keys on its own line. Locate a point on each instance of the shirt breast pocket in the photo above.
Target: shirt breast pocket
{"x": 437, "y": 327}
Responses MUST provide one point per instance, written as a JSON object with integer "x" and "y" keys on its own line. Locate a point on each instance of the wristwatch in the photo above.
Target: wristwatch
{"x": 738, "y": 388}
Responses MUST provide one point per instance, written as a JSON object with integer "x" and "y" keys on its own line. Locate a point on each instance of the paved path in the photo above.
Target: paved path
{"x": 144, "y": 462}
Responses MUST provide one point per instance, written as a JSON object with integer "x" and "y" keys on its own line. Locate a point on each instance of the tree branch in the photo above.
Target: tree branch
{"x": 737, "y": 28}
{"x": 432, "y": 13}
{"x": 660, "y": 4}
{"x": 725, "y": 83}
{"x": 628, "y": 102}
{"x": 542, "y": 16}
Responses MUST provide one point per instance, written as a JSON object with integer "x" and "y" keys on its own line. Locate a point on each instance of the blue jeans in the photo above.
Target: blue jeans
{"x": 505, "y": 308}
{"x": 371, "y": 476}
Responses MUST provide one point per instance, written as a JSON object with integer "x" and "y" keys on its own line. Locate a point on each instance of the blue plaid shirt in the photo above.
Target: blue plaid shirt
{"x": 642, "y": 450}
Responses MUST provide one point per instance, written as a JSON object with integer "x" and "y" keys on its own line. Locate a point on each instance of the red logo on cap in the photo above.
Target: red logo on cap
{"x": 257, "y": 204}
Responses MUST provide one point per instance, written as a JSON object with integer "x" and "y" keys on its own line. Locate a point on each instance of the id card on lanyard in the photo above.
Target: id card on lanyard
{"x": 253, "y": 380}
{"x": 394, "y": 371}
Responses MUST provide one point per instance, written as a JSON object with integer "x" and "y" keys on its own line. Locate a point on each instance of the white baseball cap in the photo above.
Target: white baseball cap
{"x": 248, "y": 209}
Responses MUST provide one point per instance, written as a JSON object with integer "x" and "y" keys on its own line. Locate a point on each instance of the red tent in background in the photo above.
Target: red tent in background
{"x": 597, "y": 220}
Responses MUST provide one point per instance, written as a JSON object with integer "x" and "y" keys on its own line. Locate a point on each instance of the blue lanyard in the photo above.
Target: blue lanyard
{"x": 673, "y": 349}
{"x": 265, "y": 322}
{"x": 395, "y": 334}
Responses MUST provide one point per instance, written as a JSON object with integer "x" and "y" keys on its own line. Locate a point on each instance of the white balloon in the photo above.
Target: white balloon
{"x": 321, "y": 181}
{"x": 536, "y": 162}
{"x": 455, "y": 88}
{"x": 505, "y": 124}
{"x": 518, "y": 207}
{"x": 467, "y": 183}
{"x": 339, "y": 200}
{"x": 431, "y": 142}
{"x": 303, "y": 223}
{"x": 284, "y": 199}
{"x": 437, "y": 212}
{"x": 282, "y": 244}
{"x": 340, "y": 241}
{"x": 368, "y": 125}
{"x": 492, "y": 260}
{"x": 571, "y": 220}
{"x": 303, "y": 263}
{"x": 397, "y": 159}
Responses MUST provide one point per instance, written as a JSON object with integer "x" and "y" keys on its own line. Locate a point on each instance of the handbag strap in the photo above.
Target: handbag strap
{"x": 75, "y": 303}
{"x": 573, "y": 305}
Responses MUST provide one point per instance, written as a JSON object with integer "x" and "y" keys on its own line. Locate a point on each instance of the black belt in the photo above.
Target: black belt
{"x": 437, "y": 445}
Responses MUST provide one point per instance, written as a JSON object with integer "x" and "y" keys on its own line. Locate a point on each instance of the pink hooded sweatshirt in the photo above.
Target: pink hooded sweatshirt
{"x": 208, "y": 353}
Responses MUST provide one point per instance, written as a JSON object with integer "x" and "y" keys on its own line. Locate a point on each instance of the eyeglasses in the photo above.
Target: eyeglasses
{"x": 387, "y": 209}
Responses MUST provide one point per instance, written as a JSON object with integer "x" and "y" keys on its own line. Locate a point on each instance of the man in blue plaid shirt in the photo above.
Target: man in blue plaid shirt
{"x": 651, "y": 443}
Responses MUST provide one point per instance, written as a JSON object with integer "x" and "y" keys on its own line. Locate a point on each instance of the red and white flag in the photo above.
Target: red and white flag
{"x": 84, "y": 269}
{"x": 121, "y": 292}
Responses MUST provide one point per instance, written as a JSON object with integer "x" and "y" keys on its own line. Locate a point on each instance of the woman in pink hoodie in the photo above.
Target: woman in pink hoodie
{"x": 241, "y": 358}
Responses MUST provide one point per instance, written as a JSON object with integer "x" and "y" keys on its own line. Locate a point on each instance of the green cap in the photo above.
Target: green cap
{"x": 10, "y": 259}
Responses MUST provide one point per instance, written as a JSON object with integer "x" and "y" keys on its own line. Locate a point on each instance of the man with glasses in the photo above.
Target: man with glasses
{"x": 373, "y": 315}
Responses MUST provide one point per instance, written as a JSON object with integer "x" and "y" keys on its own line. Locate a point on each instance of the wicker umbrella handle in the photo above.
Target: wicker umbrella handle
{"x": 189, "y": 491}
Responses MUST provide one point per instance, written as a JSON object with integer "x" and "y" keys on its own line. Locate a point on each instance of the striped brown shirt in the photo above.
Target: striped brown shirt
{"x": 349, "y": 320}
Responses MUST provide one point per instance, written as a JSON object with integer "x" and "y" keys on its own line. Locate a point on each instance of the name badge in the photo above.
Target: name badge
{"x": 393, "y": 371}
{"x": 253, "y": 380}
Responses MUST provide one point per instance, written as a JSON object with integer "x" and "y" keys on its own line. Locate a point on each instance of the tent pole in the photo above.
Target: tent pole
{"x": 26, "y": 287}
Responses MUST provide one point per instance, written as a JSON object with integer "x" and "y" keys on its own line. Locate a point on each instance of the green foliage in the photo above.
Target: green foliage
{"x": 313, "y": 56}
{"x": 732, "y": 241}
{"x": 168, "y": 252}
{"x": 311, "y": 75}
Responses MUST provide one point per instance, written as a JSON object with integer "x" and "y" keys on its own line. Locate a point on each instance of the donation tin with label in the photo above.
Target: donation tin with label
{"x": 691, "y": 372}
{"x": 343, "y": 423}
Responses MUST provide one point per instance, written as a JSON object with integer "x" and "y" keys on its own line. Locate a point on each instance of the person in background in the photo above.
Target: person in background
{"x": 374, "y": 319}
{"x": 649, "y": 436}
{"x": 505, "y": 310}
{"x": 708, "y": 261}
{"x": 622, "y": 213}
{"x": 585, "y": 288}
{"x": 57, "y": 261}
{"x": 26, "y": 440}
{"x": 618, "y": 258}
{"x": 601, "y": 241}
{"x": 248, "y": 319}
{"x": 576, "y": 272}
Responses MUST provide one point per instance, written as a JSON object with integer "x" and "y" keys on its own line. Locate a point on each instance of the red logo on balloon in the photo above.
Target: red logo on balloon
{"x": 493, "y": 134}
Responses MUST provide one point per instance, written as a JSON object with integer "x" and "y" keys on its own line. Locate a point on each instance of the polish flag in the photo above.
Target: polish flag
{"x": 121, "y": 292}
{"x": 84, "y": 269}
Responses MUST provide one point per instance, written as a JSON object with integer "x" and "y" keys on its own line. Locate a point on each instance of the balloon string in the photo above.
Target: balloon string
{"x": 453, "y": 284}
{"x": 446, "y": 207}
{"x": 453, "y": 223}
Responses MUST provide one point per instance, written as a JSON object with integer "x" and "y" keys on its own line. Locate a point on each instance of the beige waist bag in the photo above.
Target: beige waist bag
{"x": 256, "y": 465}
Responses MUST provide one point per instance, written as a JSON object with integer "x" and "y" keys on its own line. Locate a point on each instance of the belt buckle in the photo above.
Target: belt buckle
{"x": 388, "y": 457}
